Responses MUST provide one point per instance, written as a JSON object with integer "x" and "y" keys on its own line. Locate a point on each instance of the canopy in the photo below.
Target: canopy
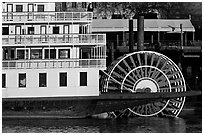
{"x": 164, "y": 25}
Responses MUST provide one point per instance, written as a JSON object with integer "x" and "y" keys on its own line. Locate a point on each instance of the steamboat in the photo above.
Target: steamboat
{"x": 53, "y": 66}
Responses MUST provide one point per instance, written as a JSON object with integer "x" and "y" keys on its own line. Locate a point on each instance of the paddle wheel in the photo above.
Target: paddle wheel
{"x": 145, "y": 72}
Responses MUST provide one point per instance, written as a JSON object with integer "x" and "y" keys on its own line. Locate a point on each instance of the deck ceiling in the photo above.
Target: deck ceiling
{"x": 163, "y": 25}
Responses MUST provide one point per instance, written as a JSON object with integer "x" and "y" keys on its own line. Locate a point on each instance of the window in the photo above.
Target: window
{"x": 64, "y": 6}
{"x": 40, "y": 8}
{"x": 55, "y": 30}
{"x": 22, "y": 80}
{"x": 5, "y": 31}
{"x": 83, "y": 78}
{"x": 22, "y": 54}
{"x": 83, "y": 4}
{"x": 19, "y": 8}
{"x": 52, "y": 53}
{"x": 42, "y": 79}
{"x": 63, "y": 79}
{"x": 3, "y": 80}
{"x": 30, "y": 30}
{"x": 36, "y": 53}
{"x": 74, "y": 4}
{"x": 64, "y": 53}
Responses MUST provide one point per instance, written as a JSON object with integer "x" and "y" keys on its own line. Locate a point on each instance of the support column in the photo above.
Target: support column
{"x": 185, "y": 40}
{"x": 158, "y": 38}
{"x": 124, "y": 40}
{"x": 131, "y": 36}
{"x": 140, "y": 33}
{"x": 117, "y": 40}
{"x": 152, "y": 39}
{"x": 112, "y": 51}
{"x": 181, "y": 27}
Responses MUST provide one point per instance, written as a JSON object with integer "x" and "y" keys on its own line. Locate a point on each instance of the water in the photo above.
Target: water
{"x": 190, "y": 123}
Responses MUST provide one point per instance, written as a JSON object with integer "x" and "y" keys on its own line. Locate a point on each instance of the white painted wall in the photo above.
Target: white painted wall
{"x": 52, "y": 90}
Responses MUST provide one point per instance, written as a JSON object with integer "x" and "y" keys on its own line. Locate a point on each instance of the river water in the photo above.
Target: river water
{"x": 191, "y": 122}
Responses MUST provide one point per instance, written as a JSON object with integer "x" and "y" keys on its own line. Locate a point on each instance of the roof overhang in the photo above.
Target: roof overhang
{"x": 163, "y": 25}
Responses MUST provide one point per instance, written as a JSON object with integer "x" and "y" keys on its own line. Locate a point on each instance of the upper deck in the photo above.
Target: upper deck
{"x": 46, "y": 17}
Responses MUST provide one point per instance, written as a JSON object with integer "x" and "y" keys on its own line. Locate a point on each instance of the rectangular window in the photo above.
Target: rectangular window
{"x": 3, "y": 80}
{"x": 30, "y": 30}
{"x": 74, "y": 4}
{"x": 22, "y": 80}
{"x": 42, "y": 79}
{"x": 5, "y": 31}
{"x": 52, "y": 53}
{"x": 83, "y": 78}
{"x": 55, "y": 30}
{"x": 64, "y": 6}
{"x": 19, "y": 8}
{"x": 22, "y": 54}
{"x": 83, "y": 4}
{"x": 36, "y": 53}
{"x": 40, "y": 8}
{"x": 64, "y": 53}
{"x": 63, "y": 79}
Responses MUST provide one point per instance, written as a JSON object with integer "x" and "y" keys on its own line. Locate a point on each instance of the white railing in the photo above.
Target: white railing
{"x": 87, "y": 39}
{"x": 46, "y": 64}
{"x": 46, "y": 16}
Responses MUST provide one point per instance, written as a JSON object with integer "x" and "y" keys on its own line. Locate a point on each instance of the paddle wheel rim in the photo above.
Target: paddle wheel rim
{"x": 144, "y": 62}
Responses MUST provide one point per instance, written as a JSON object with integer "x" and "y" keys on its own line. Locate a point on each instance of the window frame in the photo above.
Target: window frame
{"x": 3, "y": 31}
{"x": 56, "y": 31}
{"x": 19, "y": 79}
{"x": 43, "y": 79}
{"x": 19, "y": 8}
{"x": 3, "y": 80}
{"x": 63, "y": 83}
{"x": 40, "y": 8}
{"x": 83, "y": 82}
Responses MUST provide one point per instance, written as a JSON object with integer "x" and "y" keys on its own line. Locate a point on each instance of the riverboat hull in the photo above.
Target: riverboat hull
{"x": 80, "y": 107}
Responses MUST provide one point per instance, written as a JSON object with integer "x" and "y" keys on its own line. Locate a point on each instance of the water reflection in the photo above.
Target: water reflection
{"x": 131, "y": 125}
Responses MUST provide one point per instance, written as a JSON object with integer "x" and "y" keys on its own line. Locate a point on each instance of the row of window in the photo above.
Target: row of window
{"x": 38, "y": 54}
{"x": 19, "y": 8}
{"x": 31, "y": 30}
{"x": 43, "y": 79}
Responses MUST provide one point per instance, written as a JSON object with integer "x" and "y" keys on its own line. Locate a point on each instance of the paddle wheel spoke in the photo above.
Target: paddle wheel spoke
{"x": 146, "y": 71}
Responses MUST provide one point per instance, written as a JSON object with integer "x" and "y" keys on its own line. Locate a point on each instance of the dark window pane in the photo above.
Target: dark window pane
{"x": 63, "y": 79}
{"x": 83, "y": 4}
{"x": 40, "y": 8}
{"x": 22, "y": 80}
{"x": 19, "y": 8}
{"x": 3, "y": 80}
{"x": 21, "y": 54}
{"x": 83, "y": 78}
{"x": 64, "y": 53}
{"x": 5, "y": 31}
{"x": 73, "y": 4}
{"x": 30, "y": 30}
{"x": 42, "y": 80}
{"x": 36, "y": 54}
{"x": 64, "y": 6}
{"x": 55, "y": 30}
{"x": 52, "y": 53}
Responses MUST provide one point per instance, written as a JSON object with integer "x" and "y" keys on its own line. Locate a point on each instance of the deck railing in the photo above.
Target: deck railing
{"x": 46, "y": 64}
{"x": 87, "y": 39}
{"x": 46, "y": 16}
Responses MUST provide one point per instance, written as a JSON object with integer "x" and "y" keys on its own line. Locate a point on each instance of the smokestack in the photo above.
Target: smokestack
{"x": 131, "y": 35}
{"x": 140, "y": 33}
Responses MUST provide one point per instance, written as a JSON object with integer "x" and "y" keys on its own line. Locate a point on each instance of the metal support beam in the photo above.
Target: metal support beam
{"x": 131, "y": 36}
{"x": 140, "y": 33}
